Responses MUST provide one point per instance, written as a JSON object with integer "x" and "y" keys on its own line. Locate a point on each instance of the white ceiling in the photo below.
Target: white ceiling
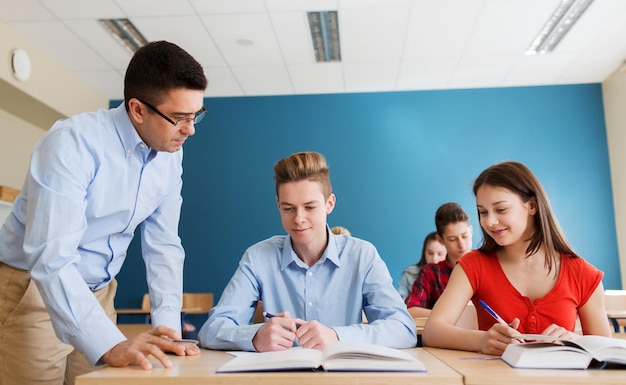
{"x": 387, "y": 45}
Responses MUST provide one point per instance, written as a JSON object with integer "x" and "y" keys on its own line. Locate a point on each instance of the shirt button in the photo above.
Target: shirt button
{"x": 129, "y": 151}
{"x": 309, "y": 304}
{"x": 309, "y": 274}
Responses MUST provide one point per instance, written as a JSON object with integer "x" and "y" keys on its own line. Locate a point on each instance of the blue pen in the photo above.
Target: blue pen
{"x": 496, "y": 316}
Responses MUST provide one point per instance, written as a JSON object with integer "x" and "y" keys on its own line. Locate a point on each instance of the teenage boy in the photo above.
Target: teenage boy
{"x": 315, "y": 284}
{"x": 93, "y": 178}
{"x": 455, "y": 232}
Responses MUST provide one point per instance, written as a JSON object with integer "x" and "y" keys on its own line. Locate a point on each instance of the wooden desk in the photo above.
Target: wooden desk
{"x": 481, "y": 369}
{"x": 419, "y": 324}
{"x": 132, "y": 311}
{"x": 144, "y": 311}
{"x": 201, "y": 370}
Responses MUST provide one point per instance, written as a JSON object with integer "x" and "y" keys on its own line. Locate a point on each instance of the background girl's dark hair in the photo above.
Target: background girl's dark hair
{"x": 430, "y": 237}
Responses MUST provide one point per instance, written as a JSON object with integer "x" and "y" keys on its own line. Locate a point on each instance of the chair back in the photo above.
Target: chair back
{"x": 258, "y": 313}
{"x": 615, "y": 300}
{"x": 615, "y": 305}
{"x": 197, "y": 303}
{"x": 145, "y": 302}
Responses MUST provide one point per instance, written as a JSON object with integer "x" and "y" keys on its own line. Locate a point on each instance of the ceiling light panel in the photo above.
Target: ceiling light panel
{"x": 125, "y": 33}
{"x": 562, "y": 20}
{"x": 324, "y": 27}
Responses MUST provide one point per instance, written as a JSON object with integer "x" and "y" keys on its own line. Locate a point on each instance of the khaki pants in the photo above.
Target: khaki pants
{"x": 30, "y": 352}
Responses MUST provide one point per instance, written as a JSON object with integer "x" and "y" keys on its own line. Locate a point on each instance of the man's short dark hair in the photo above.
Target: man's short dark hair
{"x": 158, "y": 67}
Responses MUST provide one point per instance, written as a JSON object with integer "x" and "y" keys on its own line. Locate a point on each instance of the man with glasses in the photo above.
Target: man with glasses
{"x": 92, "y": 180}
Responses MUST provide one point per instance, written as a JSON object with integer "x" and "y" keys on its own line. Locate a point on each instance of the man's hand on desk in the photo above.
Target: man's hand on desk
{"x": 155, "y": 342}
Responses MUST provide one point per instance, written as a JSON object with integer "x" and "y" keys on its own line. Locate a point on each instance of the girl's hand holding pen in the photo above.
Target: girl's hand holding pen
{"x": 496, "y": 339}
{"x": 500, "y": 334}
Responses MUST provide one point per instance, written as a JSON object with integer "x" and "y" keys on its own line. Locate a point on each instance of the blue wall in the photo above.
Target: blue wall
{"x": 394, "y": 158}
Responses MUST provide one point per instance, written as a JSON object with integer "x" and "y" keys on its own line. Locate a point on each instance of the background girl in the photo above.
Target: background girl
{"x": 433, "y": 251}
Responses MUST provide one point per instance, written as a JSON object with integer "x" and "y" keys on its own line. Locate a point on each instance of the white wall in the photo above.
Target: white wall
{"x": 28, "y": 109}
{"x": 50, "y": 83}
{"x": 18, "y": 139}
{"x": 614, "y": 94}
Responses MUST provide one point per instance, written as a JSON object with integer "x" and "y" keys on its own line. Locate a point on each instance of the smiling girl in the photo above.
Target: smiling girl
{"x": 525, "y": 270}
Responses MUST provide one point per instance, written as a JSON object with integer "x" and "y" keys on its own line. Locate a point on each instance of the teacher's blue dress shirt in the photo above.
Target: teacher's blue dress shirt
{"x": 349, "y": 278}
{"x": 91, "y": 182}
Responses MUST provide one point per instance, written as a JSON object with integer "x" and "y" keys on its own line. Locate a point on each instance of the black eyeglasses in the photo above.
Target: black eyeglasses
{"x": 196, "y": 119}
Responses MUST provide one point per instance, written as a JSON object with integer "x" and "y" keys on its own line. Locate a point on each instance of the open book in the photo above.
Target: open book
{"x": 544, "y": 352}
{"x": 341, "y": 356}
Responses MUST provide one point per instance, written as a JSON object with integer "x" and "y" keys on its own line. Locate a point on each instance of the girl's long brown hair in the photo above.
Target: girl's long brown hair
{"x": 518, "y": 179}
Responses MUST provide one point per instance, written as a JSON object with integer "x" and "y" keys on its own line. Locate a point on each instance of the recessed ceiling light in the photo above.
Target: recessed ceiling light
{"x": 324, "y": 27}
{"x": 558, "y": 25}
{"x": 125, "y": 33}
{"x": 244, "y": 42}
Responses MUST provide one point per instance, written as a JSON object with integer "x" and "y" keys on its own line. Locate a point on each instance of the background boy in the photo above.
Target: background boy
{"x": 455, "y": 232}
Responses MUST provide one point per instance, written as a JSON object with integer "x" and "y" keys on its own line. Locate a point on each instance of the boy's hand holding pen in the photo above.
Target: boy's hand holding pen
{"x": 284, "y": 315}
{"x": 278, "y": 333}
{"x": 310, "y": 334}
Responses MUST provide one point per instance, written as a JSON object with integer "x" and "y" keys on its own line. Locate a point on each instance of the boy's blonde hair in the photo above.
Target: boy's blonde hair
{"x": 340, "y": 230}
{"x": 303, "y": 166}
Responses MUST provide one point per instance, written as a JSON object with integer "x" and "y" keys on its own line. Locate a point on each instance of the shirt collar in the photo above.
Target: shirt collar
{"x": 126, "y": 131}
{"x": 331, "y": 253}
